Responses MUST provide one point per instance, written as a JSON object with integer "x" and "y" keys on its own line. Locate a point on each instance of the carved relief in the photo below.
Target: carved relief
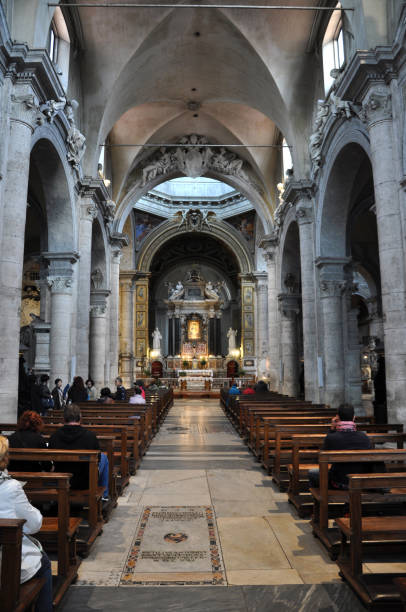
{"x": 60, "y": 284}
{"x": 194, "y": 161}
{"x": 194, "y": 220}
{"x": 75, "y": 140}
{"x": 378, "y": 107}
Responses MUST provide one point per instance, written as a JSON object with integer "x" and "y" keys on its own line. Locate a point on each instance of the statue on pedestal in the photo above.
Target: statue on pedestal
{"x": 231, "y": 335}
{"x": 210, "y": 291}
{"x": 156, "y": 340}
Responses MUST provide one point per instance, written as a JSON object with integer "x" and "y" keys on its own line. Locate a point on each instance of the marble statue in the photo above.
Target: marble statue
{"x": 210, "y": 292}
{"x": 231, "y": 335}
{"x": 156, "y": 340}
{"x": 75, "y": 140}
{"x": 177, "y": 293}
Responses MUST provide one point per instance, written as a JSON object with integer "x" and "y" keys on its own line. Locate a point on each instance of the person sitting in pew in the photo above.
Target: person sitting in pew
{"x": 28, "y": 435}
{"x": 137, "y": 398}
{"x": 140, "y": 384}
{"x": 120, "y": 395}
{"x": 72, "y": 436}
{"x": 261, "y": 387}
{"x": 15, "y": 505}
{"x": 249, "y": 390}
{"x": 343, "y": 435}
{"x": 105, "y": 396}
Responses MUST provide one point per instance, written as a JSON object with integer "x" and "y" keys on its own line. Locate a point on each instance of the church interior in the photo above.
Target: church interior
{"x": 203, "y": 272}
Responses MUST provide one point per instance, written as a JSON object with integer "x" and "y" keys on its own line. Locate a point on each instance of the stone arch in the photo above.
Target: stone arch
{"x": 348, "y": 151}
{"x": 48, "y": 155}
{"x": 100, "y": 253}
{"x": 225, "y": 234}
{"x": 138, "y": 191}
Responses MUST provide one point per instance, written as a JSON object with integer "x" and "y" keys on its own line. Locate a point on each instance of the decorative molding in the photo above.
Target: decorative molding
{"x": 194, "y": 220}
{"x": 289, "y": 304}
{"x": 88, "y": 212}
{"x": 330, "y": 288}
{"x": 194, "y": 161}
{"x": 269, "y": 244}
{"x": 25, "y": 109}
{"x": 60, "y": 284}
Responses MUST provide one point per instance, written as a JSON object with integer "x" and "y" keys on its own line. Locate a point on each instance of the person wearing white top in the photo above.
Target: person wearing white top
{"x": 137, "y": 397}
{"x": 15, "y": 505}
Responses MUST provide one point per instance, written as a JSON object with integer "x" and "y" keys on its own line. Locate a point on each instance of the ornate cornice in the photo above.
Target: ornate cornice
{"x": 298, "y": 190}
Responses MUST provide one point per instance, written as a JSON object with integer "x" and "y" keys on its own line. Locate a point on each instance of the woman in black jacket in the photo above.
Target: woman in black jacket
{"x": 28, "y": 435}
{"x": 77, "y": 393}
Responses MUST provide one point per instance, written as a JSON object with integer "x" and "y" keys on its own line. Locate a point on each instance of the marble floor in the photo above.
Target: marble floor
{"x": 250, "y": 553}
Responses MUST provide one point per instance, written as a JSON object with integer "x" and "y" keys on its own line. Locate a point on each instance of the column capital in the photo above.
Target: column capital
{"x": 88, "y": 212}
{"x": 332, "y": 288}
{"x": 377, "y": 105}
{"x": 60, "y": 284}
{"x": 304, "y": 212}
{"x": 98, "y": 302}
{"x": 118, "y": 240}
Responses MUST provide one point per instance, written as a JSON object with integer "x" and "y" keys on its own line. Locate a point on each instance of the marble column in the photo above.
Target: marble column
{"x": 60, "y": 336}
{"x": 289, "y": 309}
{"x": 126, "y": 328}
{"x": 88, "y": 212}
{"x": 23, "y": 115}
{"x": 333, "y": 284}
{"x": 97, "y": 336}
{"x": 114, "y": 312}
{"x": 270, "y": 246}
{"x": 377, "y": 107}
{"x": 305, "y": 220}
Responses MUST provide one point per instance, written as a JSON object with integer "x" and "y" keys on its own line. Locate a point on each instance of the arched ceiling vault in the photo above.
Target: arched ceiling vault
{"x": 247, "y": 69}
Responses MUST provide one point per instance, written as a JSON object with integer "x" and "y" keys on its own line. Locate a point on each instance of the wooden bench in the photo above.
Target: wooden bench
{"x": 400, "y": 584}
{"x": 15, "y": 597}
{"x": 331, "y": 502}
{"x": 305, "y": 456}
{"x": 90, "y": 497}
{"x": 377, "y": 591}
{"x": 56, "y": 532}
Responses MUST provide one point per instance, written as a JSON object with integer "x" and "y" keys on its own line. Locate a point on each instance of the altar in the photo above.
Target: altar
{"x": 196, "y": 380}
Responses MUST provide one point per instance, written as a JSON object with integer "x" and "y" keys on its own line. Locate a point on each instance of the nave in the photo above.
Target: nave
{"x": 266, "y": 556}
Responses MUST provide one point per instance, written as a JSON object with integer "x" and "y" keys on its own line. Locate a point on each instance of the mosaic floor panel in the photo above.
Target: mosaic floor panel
{"x": 175, "y": 545}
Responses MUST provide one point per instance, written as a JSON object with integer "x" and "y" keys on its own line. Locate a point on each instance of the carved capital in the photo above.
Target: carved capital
{"x": 60, "y": 284}
{"x": 377, "y": 106}
{"x": 88, "y": 212}
{"x": 289, "y": 305}
{"x": 269, "y": 244}
{"x": 97, "y": 310}
{"x": 330, "y": 288}
{"x": 304, "y": 212}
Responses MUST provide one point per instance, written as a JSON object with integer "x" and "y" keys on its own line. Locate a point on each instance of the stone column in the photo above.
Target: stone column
{"x": 305, "y": 220}
{"x": 126, "y": 328}
{"x": 88, "y": 212}
{"x": 24, "y": 113}
{"x": 377, "y": 109}
{"x": 289, "y": 308}
{"x": 60, "y": 336}
{"x": 114, "y": 310}
{"x": 270, "y": 246}
{"x": 332, "y": 285}
{"x": 97, "y": 336}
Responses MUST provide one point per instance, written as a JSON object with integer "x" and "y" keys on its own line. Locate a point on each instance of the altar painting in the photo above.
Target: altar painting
{"x": 194, "y": 331}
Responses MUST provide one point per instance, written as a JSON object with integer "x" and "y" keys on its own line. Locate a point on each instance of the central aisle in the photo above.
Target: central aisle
{"x": 201, "y": 513}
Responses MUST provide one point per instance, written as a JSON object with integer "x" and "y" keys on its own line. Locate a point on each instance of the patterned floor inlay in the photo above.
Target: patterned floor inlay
{"x": 175, "y": 545}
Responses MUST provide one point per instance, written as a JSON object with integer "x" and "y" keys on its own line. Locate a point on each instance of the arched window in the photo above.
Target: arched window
{"x": 287, "y": 162}
{"x": 59, "y": 45}
{"x": 333, "y": 48}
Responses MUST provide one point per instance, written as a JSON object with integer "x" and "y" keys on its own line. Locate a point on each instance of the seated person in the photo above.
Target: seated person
{"x": 137, "y": 397}
{"x": 15, "y": 505}
{"x": 105, "y": 396}
{"x": 72, "y": 436}
{"x": 28, "y": 435}
{"x": 120, "y": 395}
{"x": 91, "y": 390}
{"x": 343, "y": 435}
{"x": 249, "y": 390}
{"x": 261, "y": 387}
{"x": 234, "y": 390}
{"x": 140, "y": 384}
{"x": 154, "y": 385}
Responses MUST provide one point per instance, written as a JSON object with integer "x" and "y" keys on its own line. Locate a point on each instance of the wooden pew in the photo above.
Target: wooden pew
{"x": 15, "y": 597}
{"x": 305, "y": 456}
{"x": 328, "y": 501}
{"x": 400, "y": 584}
{"x": 377, "y": 591}
{"x": 90, "y": 497}
{"x": 56, "y": 532}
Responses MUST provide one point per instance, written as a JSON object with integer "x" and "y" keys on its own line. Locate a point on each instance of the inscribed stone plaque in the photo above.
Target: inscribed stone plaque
{"x": 175, "y": 544}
